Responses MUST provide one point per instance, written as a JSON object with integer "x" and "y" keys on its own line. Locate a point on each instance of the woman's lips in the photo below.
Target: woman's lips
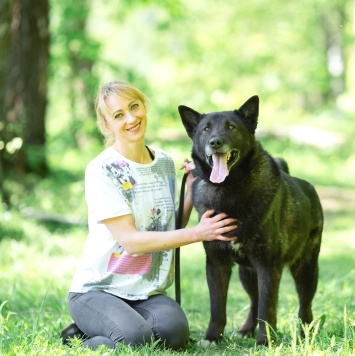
{"x": 134, "y": 128}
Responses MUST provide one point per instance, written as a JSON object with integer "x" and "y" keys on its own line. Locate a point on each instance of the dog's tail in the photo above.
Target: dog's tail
{"x": 282, "y": 164}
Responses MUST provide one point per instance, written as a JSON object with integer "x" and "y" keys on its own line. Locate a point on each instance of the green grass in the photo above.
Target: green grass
{"x": 38, "y": 261}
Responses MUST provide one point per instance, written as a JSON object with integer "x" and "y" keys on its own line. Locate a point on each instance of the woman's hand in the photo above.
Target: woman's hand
{"x": 212, "y": 228}
{"x": 188, "y": 166}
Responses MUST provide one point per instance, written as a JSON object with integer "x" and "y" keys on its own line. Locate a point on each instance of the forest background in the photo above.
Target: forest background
{"x": 298, "y": 56}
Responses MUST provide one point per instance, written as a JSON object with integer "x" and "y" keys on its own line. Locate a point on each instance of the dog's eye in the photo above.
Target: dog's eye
{"x": 231, "y": 127}
{"x": 207, "y": 128}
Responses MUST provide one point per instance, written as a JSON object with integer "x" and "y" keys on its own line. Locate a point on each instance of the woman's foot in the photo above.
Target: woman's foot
{"x": 70, "y": 332}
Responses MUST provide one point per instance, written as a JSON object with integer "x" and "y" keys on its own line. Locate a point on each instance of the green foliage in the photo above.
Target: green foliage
{"x": 204, "y": 54}
{"x": 211, "y": 56}
{"x": 10, "y": 229}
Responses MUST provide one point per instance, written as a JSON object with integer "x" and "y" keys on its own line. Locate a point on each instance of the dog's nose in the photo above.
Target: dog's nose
{"x": 215, "y": 142}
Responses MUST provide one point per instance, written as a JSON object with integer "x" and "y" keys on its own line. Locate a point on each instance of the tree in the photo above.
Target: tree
{"x": 23, "y": 87}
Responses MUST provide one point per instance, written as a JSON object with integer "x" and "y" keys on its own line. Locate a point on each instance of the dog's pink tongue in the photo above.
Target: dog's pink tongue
{"x": 220, "y": 169}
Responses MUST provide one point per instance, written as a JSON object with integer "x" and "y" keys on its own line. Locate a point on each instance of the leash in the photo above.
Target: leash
{"x": 177, "y": 250}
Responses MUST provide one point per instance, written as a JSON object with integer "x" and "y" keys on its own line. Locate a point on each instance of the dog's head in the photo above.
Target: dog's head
{"x": 221, "y": 139}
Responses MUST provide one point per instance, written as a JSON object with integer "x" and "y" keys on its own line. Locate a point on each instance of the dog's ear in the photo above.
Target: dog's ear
{"x": 250, "y": 112}
{"x": 189, "y": 118}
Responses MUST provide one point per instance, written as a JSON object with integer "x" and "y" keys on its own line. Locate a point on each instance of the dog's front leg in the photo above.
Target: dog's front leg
{"x": 268, "y": 284}
{"x": 218, "y": 269}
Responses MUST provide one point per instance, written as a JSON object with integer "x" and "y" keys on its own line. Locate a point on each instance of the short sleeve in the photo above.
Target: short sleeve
{"x": 103, "y": 199}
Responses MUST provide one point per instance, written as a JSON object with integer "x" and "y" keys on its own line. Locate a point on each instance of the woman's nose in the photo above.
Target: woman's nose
{"x": 130, "y": 117}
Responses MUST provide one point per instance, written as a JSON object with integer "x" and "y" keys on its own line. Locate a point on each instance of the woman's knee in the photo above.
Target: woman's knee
{"x": 101, "y": 314}
{"x": 133, "y": 335}
{"x": 168, "y": 321}
{"x": 175, "y": 335}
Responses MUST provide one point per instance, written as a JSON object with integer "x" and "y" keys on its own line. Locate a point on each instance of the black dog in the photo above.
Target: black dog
{"x": 279, "y": 217}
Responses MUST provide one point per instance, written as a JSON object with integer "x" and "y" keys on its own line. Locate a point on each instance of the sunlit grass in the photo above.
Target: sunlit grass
{"x": 37, "y": 269}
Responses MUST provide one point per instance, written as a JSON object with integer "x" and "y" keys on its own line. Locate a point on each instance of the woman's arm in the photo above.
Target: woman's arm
{"x": 134, "y": 241}
{"x": 188, "y": 166}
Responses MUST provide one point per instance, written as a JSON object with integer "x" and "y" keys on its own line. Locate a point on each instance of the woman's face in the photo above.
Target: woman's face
{"x": 126, "y": 118}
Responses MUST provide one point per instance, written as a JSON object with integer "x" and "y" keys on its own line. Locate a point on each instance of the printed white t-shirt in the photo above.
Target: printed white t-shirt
{"x": 116, "y": 186}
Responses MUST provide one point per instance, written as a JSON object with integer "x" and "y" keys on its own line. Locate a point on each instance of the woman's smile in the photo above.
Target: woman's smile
{"x": 135, "y": 128}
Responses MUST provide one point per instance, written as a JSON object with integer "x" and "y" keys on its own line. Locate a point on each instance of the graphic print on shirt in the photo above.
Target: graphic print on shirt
{"x": 121, "y": 174}
{"x": 128, "y": 264}
{"x": 166, "y": 175}
{"x": 146, "y": 265}
{"x": 153, "y": 180}
{"x": 122, "y": 263}
{"x": 155, "y": 224}
{"x": 103, "y": 281}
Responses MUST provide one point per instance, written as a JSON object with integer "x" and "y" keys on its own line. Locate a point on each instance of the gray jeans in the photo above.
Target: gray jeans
{"x": 108, "y": 320}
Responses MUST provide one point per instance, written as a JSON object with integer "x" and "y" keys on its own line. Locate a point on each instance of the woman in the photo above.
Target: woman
{"x": 118, "y": 292}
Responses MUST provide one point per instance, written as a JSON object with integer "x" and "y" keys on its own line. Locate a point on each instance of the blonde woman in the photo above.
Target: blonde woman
{"x": 118, "y": 292}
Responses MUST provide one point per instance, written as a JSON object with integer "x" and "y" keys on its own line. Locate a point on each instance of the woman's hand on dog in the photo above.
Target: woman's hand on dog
{"x": 212, "y": 227}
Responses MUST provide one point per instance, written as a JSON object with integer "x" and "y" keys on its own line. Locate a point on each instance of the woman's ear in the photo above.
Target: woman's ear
{"x": 107, "y": 127}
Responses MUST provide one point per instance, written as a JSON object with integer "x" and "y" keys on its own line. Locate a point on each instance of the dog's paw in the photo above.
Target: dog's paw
{"x": 205, "y": 344}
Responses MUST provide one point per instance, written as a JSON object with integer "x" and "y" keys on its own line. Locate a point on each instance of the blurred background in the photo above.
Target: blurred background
{"x": 298, "y": 56}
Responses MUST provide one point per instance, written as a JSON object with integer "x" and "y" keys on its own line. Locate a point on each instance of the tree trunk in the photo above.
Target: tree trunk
{"x": 23, "y": 87}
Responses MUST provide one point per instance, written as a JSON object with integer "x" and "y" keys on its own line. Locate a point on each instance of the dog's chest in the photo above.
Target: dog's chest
{"x": 239, "y": 254}
{"x": 221, "y": 199}
{"x": 208, "y": 195}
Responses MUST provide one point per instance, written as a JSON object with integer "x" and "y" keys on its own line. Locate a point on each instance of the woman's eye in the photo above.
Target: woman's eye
{"x": 135, "y": 106}
{"x": 118, "y": 116}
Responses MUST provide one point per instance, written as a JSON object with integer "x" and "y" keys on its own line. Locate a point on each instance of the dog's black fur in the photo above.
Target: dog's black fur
{"x": 279, "y": 218}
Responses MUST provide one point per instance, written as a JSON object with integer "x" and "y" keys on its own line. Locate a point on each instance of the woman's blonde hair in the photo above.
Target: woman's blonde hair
{"x": 119, "y": 89}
